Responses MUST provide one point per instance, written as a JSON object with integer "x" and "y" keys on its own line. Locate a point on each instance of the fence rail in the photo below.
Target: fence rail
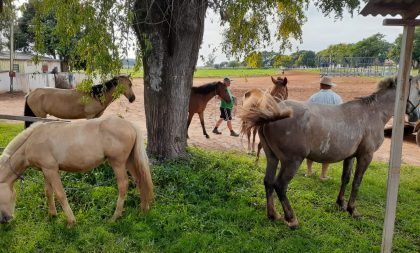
{"x": 27, "y": 118}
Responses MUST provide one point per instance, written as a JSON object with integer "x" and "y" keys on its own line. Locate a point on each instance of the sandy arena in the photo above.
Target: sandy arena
{"x": 301, "y": 87}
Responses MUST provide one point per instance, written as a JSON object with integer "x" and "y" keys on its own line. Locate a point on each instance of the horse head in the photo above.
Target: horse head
{"x": 413, "y": 100}
{"x": 280, "y": 81}
{"x": 126, "y": 84}
{"x": 221, "y": 91}
{"x": 280, "y": 89}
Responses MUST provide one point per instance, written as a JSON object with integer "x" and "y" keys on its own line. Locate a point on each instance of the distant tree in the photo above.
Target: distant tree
{"x": 268, "y": 58}
{"x": 338, "y": 51}
{"x": 233, "y": 64}
{"x": 209, "y": 62}
{"x": 6, "y": 16}
{"x": 284, "y": 61}
{"x": 304, "y": 58}
{"x": 395, "y": 50}
{"x": 373, "y": 46}
{"x": 254, "y": 60}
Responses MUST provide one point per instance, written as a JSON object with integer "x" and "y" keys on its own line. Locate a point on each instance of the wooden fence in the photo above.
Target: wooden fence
{"x": 26, "y": 118}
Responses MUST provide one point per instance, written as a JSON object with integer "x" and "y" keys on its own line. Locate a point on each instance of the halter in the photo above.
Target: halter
{"x": 14, "y": 172}
{"x": 22, "y": 179}
{"x": 411, "y": 103}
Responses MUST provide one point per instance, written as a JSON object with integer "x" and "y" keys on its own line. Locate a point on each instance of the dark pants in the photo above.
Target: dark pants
{"x": 226, "y": 114}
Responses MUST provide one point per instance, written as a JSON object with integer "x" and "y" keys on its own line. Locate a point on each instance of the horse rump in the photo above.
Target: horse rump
{"x": 28, "y": 112}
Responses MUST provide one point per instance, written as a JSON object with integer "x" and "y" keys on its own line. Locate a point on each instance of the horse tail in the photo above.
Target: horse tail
{"x": 28, "y": 112}
{"x": 142, "y": 170}
{"x": 267, "y": 109}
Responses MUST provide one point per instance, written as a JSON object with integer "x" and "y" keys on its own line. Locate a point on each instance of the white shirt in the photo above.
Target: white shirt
{"x": 328, "y": 97}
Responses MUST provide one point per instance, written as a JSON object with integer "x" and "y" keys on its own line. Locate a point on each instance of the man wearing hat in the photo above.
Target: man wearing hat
{"x": 324, "y": 96}
{"x": 226, "y": 111}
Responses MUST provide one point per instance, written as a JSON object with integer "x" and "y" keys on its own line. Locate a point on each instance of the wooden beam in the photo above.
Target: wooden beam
{"x": 397, "y": 138}
{"x": 27, "y": 118}
{"x": 401, "y": 22}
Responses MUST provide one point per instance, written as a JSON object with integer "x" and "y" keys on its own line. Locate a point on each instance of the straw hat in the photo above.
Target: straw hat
{"x": 327, "y": 81}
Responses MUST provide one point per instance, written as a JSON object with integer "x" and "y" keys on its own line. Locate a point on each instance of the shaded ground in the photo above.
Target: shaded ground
{"x": 301, "y": 87}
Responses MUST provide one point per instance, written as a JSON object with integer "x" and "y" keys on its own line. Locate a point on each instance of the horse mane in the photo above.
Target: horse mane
{"x": 98, "y": 89}
{"x": 384, "y": 84}
{"x": 17, "y": 142}
{"x": 206, "y": 88}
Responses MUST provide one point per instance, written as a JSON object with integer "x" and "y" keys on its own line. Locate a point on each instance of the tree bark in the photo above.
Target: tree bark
{"x": 170, "y": 34}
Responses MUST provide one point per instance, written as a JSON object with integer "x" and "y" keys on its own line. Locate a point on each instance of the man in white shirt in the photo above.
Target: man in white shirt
{"x": 324, "y": 96}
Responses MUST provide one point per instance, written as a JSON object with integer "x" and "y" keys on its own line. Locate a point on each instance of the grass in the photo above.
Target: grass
{"x": 210, "y": 202}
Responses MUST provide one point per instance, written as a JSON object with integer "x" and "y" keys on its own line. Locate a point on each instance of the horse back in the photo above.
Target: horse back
{"x": 82, "y": 145}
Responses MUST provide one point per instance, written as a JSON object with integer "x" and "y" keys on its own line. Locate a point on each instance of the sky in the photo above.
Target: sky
{"x": 318, "y": 32}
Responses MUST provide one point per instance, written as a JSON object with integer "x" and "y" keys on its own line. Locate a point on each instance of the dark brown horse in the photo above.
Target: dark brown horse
{"x": 322, "y": 133}
{"x": 251, "y": 97}
{"x": 199, "y": 98}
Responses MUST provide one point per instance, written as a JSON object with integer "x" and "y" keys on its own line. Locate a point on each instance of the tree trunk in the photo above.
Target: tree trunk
{"x": 170, "y": 34}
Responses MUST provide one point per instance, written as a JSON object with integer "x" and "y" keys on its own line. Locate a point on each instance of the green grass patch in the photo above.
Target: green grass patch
{"x": 211, "y": 202}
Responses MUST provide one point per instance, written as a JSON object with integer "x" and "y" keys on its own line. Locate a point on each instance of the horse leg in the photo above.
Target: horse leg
{"x": 53, "y": 177}
{"x": 270, "y": 174}
{"x": 345, "y": 178}
{"x": 190, "y": 116}
{"x": 122, "y": 182}
{"x": 287, "y": 172}
{"x": 248, "y": 135}
{"x": 254, "y": 133}
{"x": 49, "y": 193}
{"x": 201, "y": 115}
{"x": 362, "y": 164}
{"x": 258, "y": 151}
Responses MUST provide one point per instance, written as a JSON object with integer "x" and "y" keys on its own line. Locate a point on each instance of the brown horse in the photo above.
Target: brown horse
{"x": 68, "y": 104}
{"x": 75, "y": 147}
{"x": 199, "y": 98}
{"x": 322, "y": 133}
{"x": 278, "y": 91}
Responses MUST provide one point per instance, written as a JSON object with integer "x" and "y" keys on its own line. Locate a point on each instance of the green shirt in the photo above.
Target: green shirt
{"x": 225, "y": 105}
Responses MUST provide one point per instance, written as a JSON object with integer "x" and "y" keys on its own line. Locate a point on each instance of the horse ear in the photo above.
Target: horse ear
{"x": 284, "y": 81}
{"x": 273, "y": 80}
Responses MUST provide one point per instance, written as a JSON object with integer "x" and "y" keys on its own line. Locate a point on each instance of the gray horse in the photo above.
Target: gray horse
{"x": 322, "y": 133}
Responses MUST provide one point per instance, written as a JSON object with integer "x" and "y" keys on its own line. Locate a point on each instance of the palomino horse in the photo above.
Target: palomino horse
{"x": 68, "y": 104}
{"x": 199, "y": 98}
{"x": 75, "y": 147}
{"x": 251, "y": 97}
{"x": 322, "y": 133}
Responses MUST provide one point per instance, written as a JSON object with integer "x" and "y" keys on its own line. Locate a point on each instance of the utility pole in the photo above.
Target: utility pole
{"x": 11, "y": 73}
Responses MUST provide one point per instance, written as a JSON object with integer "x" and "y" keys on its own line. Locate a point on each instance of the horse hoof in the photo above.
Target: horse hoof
{"x": 294, "y": 224}
{"x": 341, "y": 207}
{"x": 52, "y": 214}
{"x": 207, "y": 136}
{"x": 356, "y": 215}
{"x": 71, "y": 223}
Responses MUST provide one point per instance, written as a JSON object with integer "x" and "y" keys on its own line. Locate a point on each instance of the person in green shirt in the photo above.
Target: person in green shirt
{"x": 226, "y": 111}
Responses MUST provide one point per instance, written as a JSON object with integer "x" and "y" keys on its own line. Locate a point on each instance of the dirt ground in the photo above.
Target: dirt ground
{"x": 301, "y": 87}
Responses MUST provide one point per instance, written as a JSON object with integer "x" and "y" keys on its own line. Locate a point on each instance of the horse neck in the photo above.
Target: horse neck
{"x": 384, "y": 103}
{"x": 14, "y": 167}
{"x": 108, "y": 96}
{"x": 279, "y": 92}
{"x": 209, "y": 95}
